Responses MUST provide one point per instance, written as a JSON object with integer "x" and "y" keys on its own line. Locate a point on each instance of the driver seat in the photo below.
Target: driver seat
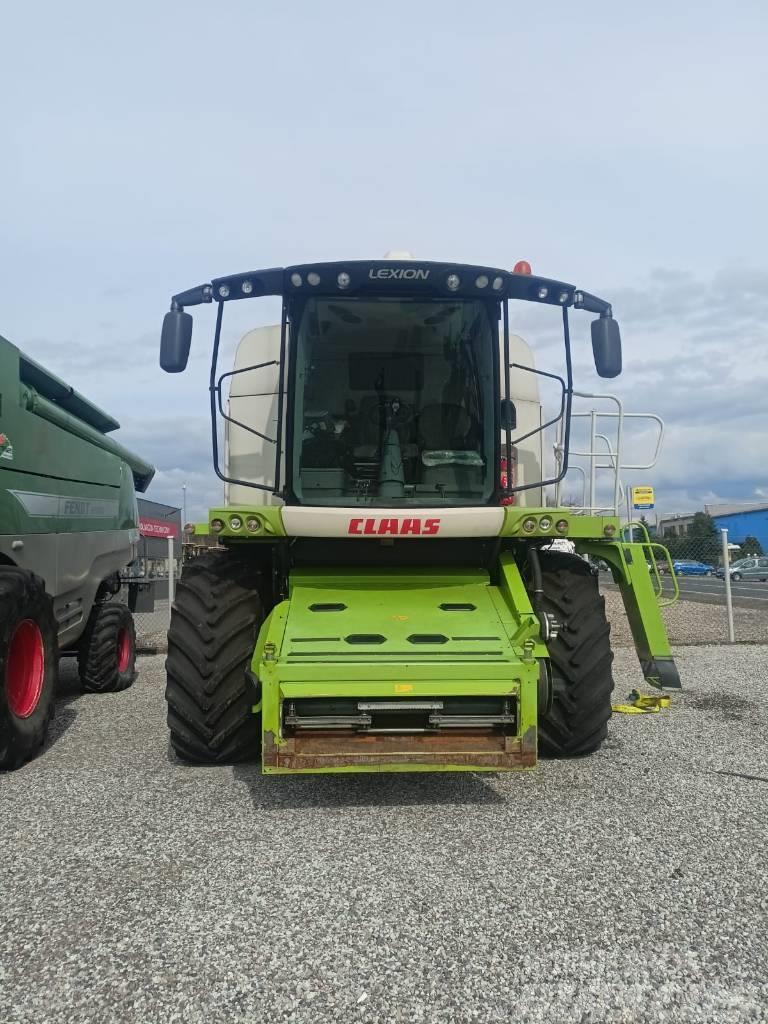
{"x": 449, "y": 427}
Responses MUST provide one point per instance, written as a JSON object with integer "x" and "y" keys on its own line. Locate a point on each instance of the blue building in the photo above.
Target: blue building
{"x": 748, "y": 519}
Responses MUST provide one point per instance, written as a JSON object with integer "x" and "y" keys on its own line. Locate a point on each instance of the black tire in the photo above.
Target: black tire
{"x": 215, "y": 620}
{"x": 736, "y": 576}
{"x": 28, "y": 665}
{"x": 581, "y": 657}
{"x": 106, "y": 653}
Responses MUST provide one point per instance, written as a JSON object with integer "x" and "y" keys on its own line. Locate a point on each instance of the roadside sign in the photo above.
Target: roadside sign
{"x": 643, "y": 497}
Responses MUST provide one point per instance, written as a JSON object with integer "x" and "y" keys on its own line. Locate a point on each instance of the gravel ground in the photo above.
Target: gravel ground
{"x": 625, "y": 887}
{"x": 691, "y": 622}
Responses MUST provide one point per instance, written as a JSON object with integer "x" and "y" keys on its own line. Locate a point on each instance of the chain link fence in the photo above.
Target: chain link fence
{"x": 723, "y": 590}
{"x": 149, "y": 601}
{"x": 148, "y": 587}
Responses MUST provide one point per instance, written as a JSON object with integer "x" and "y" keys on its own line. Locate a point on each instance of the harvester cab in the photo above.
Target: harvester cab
{"x": 386, "y": 595}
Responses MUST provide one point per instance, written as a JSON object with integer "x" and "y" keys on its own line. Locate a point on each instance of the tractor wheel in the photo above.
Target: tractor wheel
{"x": 215, "y": 621}
{"x": 581, "y": 658}
{"x": 28, "y": 665}
{"x": 106, "y": 653}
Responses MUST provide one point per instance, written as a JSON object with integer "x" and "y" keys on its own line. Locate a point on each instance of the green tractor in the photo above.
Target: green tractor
{"x": 69, "y": 525}
{"x": 397, "y": 599}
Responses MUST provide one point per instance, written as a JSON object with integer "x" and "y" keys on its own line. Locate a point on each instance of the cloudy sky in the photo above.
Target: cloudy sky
{"x": 149, "y": 147}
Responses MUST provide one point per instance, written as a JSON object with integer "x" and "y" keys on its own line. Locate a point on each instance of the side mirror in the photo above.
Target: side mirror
{"x": 175, "y": 341}
{"x": 508, "y": 414}
{"x": 606, "y": 346}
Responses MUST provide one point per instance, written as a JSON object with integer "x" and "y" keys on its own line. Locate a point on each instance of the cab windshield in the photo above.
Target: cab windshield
{"x": 394, "y": 402}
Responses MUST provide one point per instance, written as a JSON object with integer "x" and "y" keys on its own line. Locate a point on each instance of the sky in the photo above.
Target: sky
{"x": 150, "y": 147}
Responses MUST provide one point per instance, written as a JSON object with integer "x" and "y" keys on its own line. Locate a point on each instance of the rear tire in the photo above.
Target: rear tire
{"x": 581, "y": 657}
{"x": 215, "y": 621}
{"x": 106, "y": 656}
{"x": 28, "y": 665}
{"x": 736, "y": 576}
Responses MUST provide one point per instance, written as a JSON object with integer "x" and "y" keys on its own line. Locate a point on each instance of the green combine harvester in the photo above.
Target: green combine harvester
{"x": 396, "y": 600}
{"x": 69, "y": 525}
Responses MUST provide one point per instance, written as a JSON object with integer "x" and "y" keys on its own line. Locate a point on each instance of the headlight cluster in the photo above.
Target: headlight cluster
{"x": 544, "y": 524}
{"x": 343, "y": 279}
{"x": 235, "y": 523}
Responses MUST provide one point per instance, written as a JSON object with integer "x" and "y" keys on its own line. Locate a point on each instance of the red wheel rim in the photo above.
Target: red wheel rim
{"x": 25, "y": 669}
{"x": 123, "y": 650}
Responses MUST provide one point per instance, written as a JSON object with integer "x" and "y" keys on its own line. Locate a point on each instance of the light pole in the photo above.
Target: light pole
{"x": 184, "y": 506}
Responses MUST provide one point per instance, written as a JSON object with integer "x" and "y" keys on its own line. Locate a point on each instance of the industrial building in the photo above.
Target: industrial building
{"x": 742, "y": 520}
{"x": 157, "y": 522}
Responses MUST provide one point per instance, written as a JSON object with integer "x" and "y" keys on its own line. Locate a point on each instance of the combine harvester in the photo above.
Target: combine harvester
{"x": 393, "y": 602}
{"x": 69, "y": 524}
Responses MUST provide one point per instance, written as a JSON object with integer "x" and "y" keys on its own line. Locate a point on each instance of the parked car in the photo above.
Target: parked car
{"x": 747, "y": 569}
{"x": 686, "y": 567}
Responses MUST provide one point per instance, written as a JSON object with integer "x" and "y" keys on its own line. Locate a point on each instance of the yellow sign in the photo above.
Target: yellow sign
{"x": 643, "y": 497}
{"x": 403, "y": 687}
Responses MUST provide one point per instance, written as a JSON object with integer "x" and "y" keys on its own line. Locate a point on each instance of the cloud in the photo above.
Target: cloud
{"x": 695, "y": 353}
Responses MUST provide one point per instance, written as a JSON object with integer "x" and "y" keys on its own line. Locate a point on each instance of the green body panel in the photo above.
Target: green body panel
{"x": 578, "y": 526}
{"x": 68, "y": 510}
{"x": 495, "y": 649}
{"x": 270, "y": 522}
{"x": 630, "y": 571}
{"x": 58, "y": 472}
{"x": 305, "y": 653}
{"x": 65, "y": 506}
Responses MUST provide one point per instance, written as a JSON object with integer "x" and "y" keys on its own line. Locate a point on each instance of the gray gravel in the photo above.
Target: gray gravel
{"x": 626, "y": 887}
{"x": 692, "y": 622}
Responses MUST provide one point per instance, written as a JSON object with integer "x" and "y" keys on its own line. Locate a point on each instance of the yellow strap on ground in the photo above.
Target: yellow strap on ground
{"x": 642, "y": 704}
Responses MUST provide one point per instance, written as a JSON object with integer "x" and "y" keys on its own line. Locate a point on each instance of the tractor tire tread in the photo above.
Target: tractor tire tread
{"x": 97, "y": 649}
{"x": 23, "y": 595}
{"x": 214, "y": 623}
{"x": 581, "y": 659}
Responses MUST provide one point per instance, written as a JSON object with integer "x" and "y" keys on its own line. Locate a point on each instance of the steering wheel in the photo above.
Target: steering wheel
{"x": 399, "y": 412}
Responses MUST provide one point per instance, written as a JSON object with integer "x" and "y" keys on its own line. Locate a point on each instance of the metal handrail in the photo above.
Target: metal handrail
{"x": 615, "y": 464}
{"x": 628, "y": 416}
{"x": 650, "y": 546}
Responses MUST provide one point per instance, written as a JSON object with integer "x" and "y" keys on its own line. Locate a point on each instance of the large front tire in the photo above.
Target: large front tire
{"x": 581, "y": 658}
{"x": 28, "y": 665}
{"x": 215, "y": 620}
